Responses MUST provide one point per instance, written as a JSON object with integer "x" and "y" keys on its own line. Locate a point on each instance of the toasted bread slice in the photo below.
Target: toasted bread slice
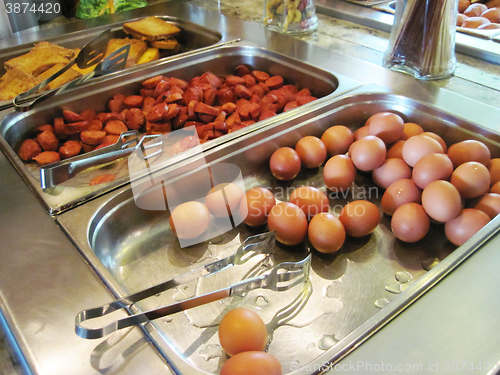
{"x": 42, "y": 56}
{"x": 137, "y": 48}
{"x": 15, "y": 82}
{"x": 165, "y": 44}
{"x": 151, "y": 29}
{"x": 66, "y": 77}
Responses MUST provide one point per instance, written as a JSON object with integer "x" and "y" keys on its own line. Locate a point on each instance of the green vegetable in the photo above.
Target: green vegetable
{"x": 96, "y": 8}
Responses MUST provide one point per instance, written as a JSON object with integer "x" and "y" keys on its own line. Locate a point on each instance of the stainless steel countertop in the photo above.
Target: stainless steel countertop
{"x": 44, "y": 282}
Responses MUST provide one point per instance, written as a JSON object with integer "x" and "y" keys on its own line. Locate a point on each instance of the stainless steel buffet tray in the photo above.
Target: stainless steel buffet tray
{"x": 351, "y": 294}
{"x": 16, "y": 126}
{"x": 192, "y": 37}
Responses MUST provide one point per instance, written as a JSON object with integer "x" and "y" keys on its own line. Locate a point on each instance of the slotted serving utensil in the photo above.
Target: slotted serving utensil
{"x": 282, "y": 277}
{"x": 91, "y": 54}
{"x": 56, "y": 173}
{"x": 112, "y": 63}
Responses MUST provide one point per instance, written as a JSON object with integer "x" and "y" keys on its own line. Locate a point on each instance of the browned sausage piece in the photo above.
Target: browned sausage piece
{"x": 229, "y": 108}
{"x": 88, "y": 115}
{"x": 221, "y": 126}
{"x": 147, "y": 92}
{"x": 221, "y": 117}
{"x": 115, "y": 127}
{"x": 242, "y": 92}
{"x": 264, "y": 87}
{"x": 260, "y": 76}
{"x": 275, "y": 82}
{"x": 95, "y": 125}
{"x": 157, "y": 112}
{"x": 110, "y": 139}
{"x": 46, "y": 127}
{"x": 244, "y": 111}
{"x": 76, "y": 127}
{"x": 173, "y": 110}
{"x": 206, "y": 118}
{"x": 133, "y": 101}
{"x": 293, "y": 89}
{"x": 192, "y": 93}
{"x": 179, "y": 120}
{"x": 301, "y": 100}
{"x": 206, "y": 109}
{"x": 258, "y": 90}
{"x": 151, "y": 83}
{"x": 225, "y": 95}
{"x": 47, "y": 157}
{"x": 134, "y": 119}
{"x": 88, "y": 148}
{"x": 209, "y": 96}
{"x": 148, "y": 104}
{"x": 241, "y": 70}
{"x": 250, "y": 80}
{"x": 191, "y": 110}
{"x": 269, "y": 102}
{"x": 161, "y": 88}
{"x": 233, "y": 120}
{"x": 173, "y": 98}
{"x": 266, "y": 114}
{"x": 48, "y": 141}
{"x": 70, "y": 116}
{"x": 255, "y": 111}
{"x": 211, "y": 79}
{"x": 242, "y": 102}
{"x": 60, "y": 127}
{"x": 290, "y": 105}
{"x": 106, "y": 116}
{"x": 102, "y": 179}
{"x": 92, "y": 137}
{"x": 116, "y": 104}
{"x": 232, "y": 81}
{"x": 162, "y": 127}
{"x": 178, "y": 83}
{"x": 303, "y": 92}
{"x": 255, "y": 98}
{"x": 29, "y": 149}
{"x": 70, "y": 149}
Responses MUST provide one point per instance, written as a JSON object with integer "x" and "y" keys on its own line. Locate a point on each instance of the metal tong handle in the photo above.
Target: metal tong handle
{"x": 252, "y": 246}
{"x": 56, "y": 173}
{"x": 289, "y": 274}
{"x": 115, "y": 61}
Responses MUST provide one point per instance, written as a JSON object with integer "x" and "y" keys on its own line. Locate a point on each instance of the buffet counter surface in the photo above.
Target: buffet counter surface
{"x": 45, "y": 282}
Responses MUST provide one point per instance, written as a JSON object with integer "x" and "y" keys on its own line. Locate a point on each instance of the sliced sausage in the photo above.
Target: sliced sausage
{"x": 228, "y": 108}
{"x": 59, "y": 127}
{"x": 232, "y": 81}
{"x": 209, "y": 96}
{"x": 173, "y": 110}
{"x": 242, "y": 92}
{"x": 290, "y": 105}
{"x": 95, "y": 125}
{"x": 151, "y": 83}
{"x": 206, "y": 109}
{"x": 274, "y": 82}
{"x": 88, "y": 115}
{"x": 29, "y": 149}
{"x": 48, "y": 141}
{"x": 157, "y": 112}
{"x": 211, "y": 79}
{"x": 115, "y": 127}
{"x": 70, "y": 149}
{"x": 301, "y": 100}
{"x": 242, "y": 70}
{"x": 148, "y": 104}
{"x": 76, "y": 127}
{"x": 134, "y": 119}
{"x": 116, "y": 104}
{"x": 225, "y": 95}
{"x": 260, "y": 76}
{"x": 162, "y": 87}
{"x": 266, "y": 114}
{"x": 176, "y": 82}
{"x": 47, "y": 157}
{"x": 70, "y": 116}
{"x": 102, "y": 179}
{"x": 92, "y": 137}
{"x": 46, "y": 127}
{"x": 133, "y": 101}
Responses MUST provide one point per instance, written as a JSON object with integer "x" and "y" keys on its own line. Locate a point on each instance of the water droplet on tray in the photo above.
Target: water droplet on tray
{"x": 211, "y": 351}
{"x": 261, "y": 301}
{"x": 167, "y": 319}
{"x": 394, "y": 287}
{"x": 381, "y": 302}
{"x": 430, "y": 263}
{"x": 182, "y": 293}
{"x": 327, "y": 341}
{"x": 403, "y": 276}
{"x": 330, "y": 291}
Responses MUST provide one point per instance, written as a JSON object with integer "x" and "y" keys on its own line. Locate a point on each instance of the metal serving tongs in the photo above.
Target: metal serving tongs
{"x": 112, "y": 63}
{"x": 56, "y": 173}
{"x": 283, "y": 277}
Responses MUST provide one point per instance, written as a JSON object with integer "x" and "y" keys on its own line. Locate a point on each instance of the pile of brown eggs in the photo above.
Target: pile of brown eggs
{"x": 478, "y": 15}
{"x": 424, "y": 182}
